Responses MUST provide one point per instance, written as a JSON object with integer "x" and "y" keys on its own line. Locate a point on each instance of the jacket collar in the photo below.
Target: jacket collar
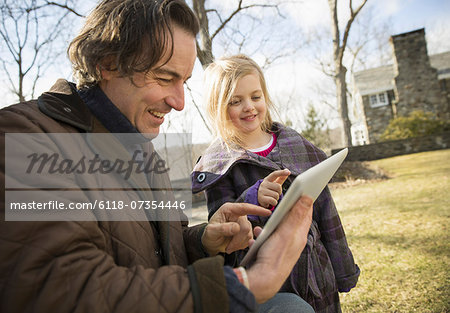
{"x": 106, "y": 112}
{"x": 62, "y": 103}
{"x": 89, "y": 110}
{"x": 217, "y": 160}
{"x": 291, "y": 151}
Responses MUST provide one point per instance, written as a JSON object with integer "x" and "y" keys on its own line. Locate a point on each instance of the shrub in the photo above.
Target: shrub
{"x": 417, "y": 123}
{"x": 316, "y": 129}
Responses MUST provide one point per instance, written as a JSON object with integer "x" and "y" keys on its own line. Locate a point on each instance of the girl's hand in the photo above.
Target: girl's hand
{"x": 270, "y": 189}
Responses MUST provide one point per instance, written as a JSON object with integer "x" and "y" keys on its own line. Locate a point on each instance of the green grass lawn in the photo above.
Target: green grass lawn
{"x": 398, "y": 230}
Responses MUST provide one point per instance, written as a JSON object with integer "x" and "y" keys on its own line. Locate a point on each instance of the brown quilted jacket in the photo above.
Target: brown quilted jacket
{"x": 97, "y": 266}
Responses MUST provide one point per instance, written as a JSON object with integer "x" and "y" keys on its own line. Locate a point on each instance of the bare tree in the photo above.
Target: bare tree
{"x": 368, "y": 46}
{"x": 208, "y": 32}
{"x": 339, "y": 47}
{"x": 365, "y": 48}
{"x": 33, "y": 35}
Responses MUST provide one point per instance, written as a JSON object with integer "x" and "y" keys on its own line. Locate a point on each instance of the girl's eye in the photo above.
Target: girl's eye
{"x": 234, "y": 102}
{"x": 256, "y": 98}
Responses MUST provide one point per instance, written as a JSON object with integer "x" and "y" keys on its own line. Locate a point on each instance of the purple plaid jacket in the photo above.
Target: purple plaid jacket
{"x": 326, "y": 265}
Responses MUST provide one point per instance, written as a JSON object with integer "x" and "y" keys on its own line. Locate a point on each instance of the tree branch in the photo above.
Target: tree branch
{"x": 198, "y": 109}
{"x": 241, "y": 8}
{"x": 29, "y": 31}
{"x": 353, "y": 15}
{"x": 62, "y": 6}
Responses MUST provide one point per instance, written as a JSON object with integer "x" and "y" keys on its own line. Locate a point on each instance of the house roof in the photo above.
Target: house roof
{"x": 441, "y": 62}
{"x": 380, "y": 79}
{"x": 375, "y": 80}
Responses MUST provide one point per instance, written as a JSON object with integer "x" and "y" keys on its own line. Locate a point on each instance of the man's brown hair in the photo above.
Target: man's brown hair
{"x": 127, "y": 36}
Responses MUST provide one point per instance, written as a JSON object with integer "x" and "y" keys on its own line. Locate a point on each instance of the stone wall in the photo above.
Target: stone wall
{"x": 445, "y": 89}
{"x": 387, "y": 149}
{"x": 417, "y": 85}
{"x": 377, "y": 119}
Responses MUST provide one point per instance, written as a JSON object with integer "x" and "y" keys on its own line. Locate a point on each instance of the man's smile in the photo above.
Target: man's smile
{"x": 157, "y": 114}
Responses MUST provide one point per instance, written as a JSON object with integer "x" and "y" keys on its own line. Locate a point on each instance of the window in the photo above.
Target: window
{"x": 378, "y": 99}
{"x": 442, "y": 83}
{"x": 373, "y": 100}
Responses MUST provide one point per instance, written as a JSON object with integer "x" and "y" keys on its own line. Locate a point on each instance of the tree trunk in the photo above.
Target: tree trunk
{"x": 204, "y": 47}
{"x": 339, "y": 68}
{"x": 341, "y": 95}
{"x": 21, "y": 78}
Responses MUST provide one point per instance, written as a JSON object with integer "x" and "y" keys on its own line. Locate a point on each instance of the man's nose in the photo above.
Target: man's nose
{"x": 175, "y": 99}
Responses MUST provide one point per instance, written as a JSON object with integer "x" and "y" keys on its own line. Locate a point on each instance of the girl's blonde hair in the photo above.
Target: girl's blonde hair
{"x": 220, "y": 80}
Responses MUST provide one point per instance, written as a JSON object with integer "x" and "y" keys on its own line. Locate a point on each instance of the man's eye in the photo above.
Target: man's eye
{"x": 164, "y": 80}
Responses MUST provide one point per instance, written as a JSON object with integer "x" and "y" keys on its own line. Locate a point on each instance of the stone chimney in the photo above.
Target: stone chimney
{"x": 417, "y": 85}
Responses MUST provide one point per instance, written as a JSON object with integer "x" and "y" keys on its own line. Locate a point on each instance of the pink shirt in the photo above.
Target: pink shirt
{"x": 265, "y": 150}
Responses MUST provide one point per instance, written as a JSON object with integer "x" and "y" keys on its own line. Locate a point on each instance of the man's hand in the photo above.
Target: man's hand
{"x": 270, "y": 189}
{"x": 278, "y": 255}
{"x": 228, "y": 229}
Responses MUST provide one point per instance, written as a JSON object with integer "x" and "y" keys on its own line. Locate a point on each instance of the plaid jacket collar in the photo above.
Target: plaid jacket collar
{"x": 217, "y": 160}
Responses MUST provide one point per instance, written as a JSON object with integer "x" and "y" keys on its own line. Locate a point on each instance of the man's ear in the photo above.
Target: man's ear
{"x": 106, "y": 74}
{"x": 105, "y": 68}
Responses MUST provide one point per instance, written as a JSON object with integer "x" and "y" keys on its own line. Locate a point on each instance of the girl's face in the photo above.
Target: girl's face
{"x": 247, "y": 108}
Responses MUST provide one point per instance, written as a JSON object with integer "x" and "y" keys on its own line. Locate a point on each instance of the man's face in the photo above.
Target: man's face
{"x": 153, "y": 95}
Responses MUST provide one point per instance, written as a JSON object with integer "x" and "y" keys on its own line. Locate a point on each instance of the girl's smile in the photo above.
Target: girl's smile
{"x": 250, "y": 118}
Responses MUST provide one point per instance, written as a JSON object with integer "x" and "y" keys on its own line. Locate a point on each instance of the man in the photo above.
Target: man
{"x": 131, "y": 60}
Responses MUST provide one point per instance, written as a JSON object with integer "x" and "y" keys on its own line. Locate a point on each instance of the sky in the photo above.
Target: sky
{"x": 406, "y": 15}
{"x": 298, "y": 76}
{"x": 412, "y": 14}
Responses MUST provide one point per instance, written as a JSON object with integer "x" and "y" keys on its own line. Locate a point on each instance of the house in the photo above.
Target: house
{"x": 415, "y": 81}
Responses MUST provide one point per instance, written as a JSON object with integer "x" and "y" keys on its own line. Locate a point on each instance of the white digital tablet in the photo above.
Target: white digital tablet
{"x": 310, "y": 183}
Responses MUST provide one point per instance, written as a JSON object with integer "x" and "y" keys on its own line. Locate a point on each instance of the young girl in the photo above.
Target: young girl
{"x": 254, "y": 159}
